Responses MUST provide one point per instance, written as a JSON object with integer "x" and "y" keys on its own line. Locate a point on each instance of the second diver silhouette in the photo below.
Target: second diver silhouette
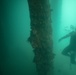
{"x": 70, "y": 50}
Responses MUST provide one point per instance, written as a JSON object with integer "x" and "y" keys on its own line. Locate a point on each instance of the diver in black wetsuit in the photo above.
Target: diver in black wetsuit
{"x": 70, "y": 50}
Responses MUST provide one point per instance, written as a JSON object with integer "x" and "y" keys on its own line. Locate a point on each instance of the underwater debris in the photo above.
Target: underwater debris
{"x": 41, "y": 35}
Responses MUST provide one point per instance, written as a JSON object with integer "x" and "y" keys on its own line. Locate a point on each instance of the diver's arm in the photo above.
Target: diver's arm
{"x": 66, "y": 36}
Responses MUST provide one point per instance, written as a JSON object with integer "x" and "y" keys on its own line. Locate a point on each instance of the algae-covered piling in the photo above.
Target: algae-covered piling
{"x": 41, "y": 35}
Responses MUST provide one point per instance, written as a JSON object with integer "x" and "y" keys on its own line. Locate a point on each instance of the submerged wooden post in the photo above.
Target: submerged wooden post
{"x": 41, "y": 35}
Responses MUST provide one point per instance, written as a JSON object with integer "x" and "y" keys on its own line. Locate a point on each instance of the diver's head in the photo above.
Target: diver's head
{"x": 72, "y": 27}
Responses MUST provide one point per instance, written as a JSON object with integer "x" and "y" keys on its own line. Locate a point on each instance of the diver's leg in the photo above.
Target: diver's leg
{"x": 66, "y": 51}
{"x": 72, "y": 57}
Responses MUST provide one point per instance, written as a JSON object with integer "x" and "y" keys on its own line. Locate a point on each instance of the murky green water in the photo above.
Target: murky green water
{"x": 16, "y": 30}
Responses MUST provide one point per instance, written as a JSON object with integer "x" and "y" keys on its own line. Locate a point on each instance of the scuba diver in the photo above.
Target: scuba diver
{"x": 70, "y": 50}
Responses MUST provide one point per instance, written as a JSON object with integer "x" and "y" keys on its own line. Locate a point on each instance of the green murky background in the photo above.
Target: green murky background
{"x": 16, "y": 30}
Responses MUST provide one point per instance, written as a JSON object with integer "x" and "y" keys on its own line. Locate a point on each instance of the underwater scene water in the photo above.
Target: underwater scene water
{"x": 17, "y": 54}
